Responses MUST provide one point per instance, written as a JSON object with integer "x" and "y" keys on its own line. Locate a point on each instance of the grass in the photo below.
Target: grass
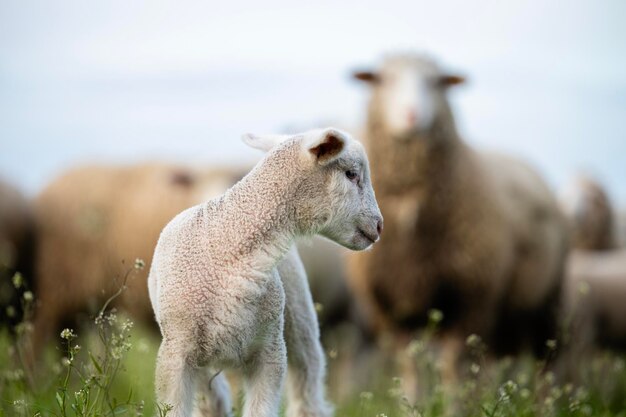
{"x": 107, "y": 370}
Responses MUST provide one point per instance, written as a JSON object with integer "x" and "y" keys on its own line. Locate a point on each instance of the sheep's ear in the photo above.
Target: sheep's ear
{"x": 368, "y": 76}
{"x": 328, "y": 146}
{"x": 263, "y": 142}
{"x": 448, "y": 80}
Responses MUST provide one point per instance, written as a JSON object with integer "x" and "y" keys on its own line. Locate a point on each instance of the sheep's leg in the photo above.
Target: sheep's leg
{"x": 451, "y": 349}
{"x": 407, "y": 364}
{"x": 264, "y": 377}
{"x": 306, "y": 362}
{"x": 214, "y": 398}
{"x": 174, "y": 381}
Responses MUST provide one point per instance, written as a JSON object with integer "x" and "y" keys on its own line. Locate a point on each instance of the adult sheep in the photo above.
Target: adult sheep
{"x": 479, "y": 237}
{"x": 94, "y": 221}
{"x": 590, "y": 213}
{"x": 16, "y": 245}
{"x": 226, "y": 282}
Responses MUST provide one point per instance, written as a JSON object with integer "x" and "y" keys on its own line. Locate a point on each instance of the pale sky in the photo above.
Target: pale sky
{"x": 125, "y": 81}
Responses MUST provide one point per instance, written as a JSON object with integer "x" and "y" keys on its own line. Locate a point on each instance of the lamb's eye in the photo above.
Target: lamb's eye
{"x": 352, "y": 175}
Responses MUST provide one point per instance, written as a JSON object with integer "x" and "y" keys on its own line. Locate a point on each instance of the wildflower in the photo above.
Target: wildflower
{"x": 126, "y": 326}
{"x": 19, "y": 403}
{"x": 550, "y": 377}
{"x": 551, "y": 344}
{"x": 319, "y": 307}
{"x": 77, "y": 348}
{"x": 510, "y": 386}
{"x": 139, "y": 264}
{"x": 586, "y": 410}
{"x": 556, "y": 392}
{"x": 66, "y": 361}
{"x": 395, "y": 393}
{"x": 475, "y": 368}
{"x": 381, "y": 415}
{"x": 568, "y": 388}
{"x": 366, "y": 396}
{"x": 415, "y": 347}
{"x": 18, "y": 280}
{"x": 473, "y": 340}
{"x": 581, "y": 394}
{"x": 524, "y": 393}
{"x": 435, "y": 316}
{"x": 504, "y": 395}
{"x": 28, "y": 296}
{"x": 333, "y": 353}
{"x": 68, "y": 334}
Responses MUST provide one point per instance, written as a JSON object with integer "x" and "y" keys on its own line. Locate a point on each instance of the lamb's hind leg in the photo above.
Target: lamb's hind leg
{"x": 264, "y": 377}
{"x": 175, "y": 380}
{"x": 305, "y": 378}
{"x": 214, "y": 398}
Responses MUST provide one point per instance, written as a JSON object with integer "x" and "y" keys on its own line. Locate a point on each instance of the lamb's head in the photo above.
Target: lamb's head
{"x": 409, "y": 93}
{"x": 332, "y": 193}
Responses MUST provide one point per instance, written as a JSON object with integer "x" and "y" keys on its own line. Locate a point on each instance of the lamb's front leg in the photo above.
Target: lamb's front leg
{"x": 306, "y": 361}
{"x": 264, "y": 377}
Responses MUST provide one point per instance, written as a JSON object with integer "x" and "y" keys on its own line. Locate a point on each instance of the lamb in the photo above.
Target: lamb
{"x": 590, "y": 212}
{"x": 220, "y": 293}
{"x": 92, "y": 219}
{"x": 477, "y": 236}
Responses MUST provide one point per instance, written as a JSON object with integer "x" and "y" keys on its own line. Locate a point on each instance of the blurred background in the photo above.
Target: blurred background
{"x": 158, "y": 93}
{"x": 127, "y": 81}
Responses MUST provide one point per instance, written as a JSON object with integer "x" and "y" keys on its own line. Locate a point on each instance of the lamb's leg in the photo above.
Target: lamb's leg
{"x": 264, "y": 377}
{"x": 214, "y": 398}
{"x": 306, "y": 362}
{"x": 174, "y": 380}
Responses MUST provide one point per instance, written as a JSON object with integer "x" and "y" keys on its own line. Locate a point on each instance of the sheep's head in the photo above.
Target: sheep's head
{"x": 409, "y": 93}
{"x": 334, "y": 195}
{"x": 590, "y": 212}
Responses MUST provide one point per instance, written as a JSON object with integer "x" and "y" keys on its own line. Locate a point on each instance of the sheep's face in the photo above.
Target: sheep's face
{"x": 334, "y": 195}
{"x": 408, "y": 93}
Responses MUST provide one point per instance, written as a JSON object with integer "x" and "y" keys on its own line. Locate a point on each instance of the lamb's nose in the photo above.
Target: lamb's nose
{"x": 379, "y": 227}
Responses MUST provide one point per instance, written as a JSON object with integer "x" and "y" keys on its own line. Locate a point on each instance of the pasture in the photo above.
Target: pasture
{"x": 105, "y": 367}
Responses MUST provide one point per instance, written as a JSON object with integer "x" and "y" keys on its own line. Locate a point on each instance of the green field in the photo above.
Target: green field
{"x": 106, "y": 369}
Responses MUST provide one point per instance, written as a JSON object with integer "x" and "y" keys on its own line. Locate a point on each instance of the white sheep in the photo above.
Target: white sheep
{"x": 220, "y": 293}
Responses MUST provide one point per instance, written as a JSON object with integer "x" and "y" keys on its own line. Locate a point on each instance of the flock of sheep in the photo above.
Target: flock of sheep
{"x": 478, "y": 237}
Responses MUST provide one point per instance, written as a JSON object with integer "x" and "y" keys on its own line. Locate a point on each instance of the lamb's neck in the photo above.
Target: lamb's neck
{"x": 256, "y": 220}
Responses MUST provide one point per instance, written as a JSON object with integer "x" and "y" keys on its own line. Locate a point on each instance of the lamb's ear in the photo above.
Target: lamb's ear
{"x": 263, "y": 142}
{"x": 369, "y": 77}
{"x": 448, "y": 80}
{"x": 327, "y": 146}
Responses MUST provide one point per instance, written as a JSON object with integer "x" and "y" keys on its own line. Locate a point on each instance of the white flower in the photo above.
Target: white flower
{"x": 18, "y": 280}
{"x": 435, "y": 316}
{"x": 68, "y": 334}
{"x": 139, "y": 264}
